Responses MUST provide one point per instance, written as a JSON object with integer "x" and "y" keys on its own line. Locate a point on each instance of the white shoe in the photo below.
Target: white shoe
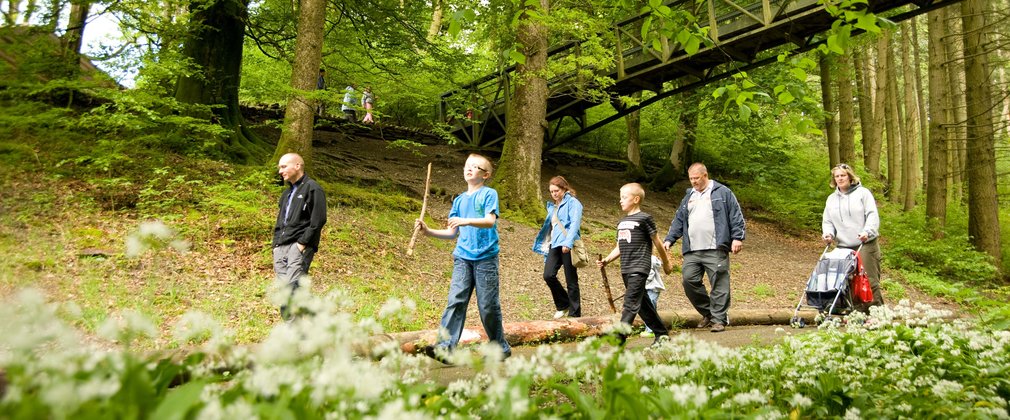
{"x": 561, "y": 314}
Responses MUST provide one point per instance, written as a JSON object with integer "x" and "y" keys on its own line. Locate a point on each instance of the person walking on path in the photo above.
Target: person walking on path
{"x": 300, "y": 221}
{"x": 473, "y": 222}
{"x": 367, "y": 102}
{"x": 653, "y": 287}
{"x": 711, "y": 222}
{"x": 636, "y": 238}
{"x": 349, "y": 103}
{"x": 850, "y": 219}
{"x": 555, "y": 242}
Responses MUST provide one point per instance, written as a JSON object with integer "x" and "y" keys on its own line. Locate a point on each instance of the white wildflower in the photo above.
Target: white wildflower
{"x": 852, "y": 414}
{"x": 800, "y": 401}
{"x": 943, "y": 388}
{"x": 689, "y": 394}
{"x": 753, "y": 396}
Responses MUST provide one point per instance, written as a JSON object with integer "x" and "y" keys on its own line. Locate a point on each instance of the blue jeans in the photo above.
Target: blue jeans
{"x": 467, "y": 276}
{"x": 653, "y": 295}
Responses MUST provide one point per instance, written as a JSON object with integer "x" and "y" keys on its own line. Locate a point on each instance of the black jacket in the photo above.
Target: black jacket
{"x": 307, "y": 216}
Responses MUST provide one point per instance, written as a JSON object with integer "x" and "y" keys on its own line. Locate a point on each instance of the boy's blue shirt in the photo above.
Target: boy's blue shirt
{"x": 475, "y": 243}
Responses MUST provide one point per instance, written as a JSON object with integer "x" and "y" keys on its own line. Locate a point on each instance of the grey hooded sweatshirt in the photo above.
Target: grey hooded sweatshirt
{"x": 849, "y": 213}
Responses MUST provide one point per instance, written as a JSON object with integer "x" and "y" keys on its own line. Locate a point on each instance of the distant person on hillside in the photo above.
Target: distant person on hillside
{"x": 555, "y": 242}
{"x": 636, "y": 238}
{"x": 321, "y": 85}
{"x": 367, "y": 102}
{"x": 300, "y": 220}
{"x": 850, "y": 219}
{"x": 349, "y": 103}
{"x": 711, "y": 222}
{"x": 473, "y": 222}
{"x": 653, "y": 287}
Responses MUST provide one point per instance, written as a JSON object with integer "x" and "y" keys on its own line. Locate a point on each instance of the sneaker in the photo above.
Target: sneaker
{"x": 437, "y": 353}
{"x": 717, "y": 327}
{"x": 660, "y": 340}
{"x": 647, "y": 334}
{"x": 705, "y": 322}
{"x": 561, "y": 314}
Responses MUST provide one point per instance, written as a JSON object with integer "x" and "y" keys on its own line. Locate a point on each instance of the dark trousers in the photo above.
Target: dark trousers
{"x": 290, "y": 265}
{"x": 636, "y": 302}
{"x": 571, "y": 299}
{"x": 715, "y": 263}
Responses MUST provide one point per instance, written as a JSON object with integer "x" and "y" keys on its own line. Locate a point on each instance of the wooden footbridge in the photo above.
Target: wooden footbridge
{"x": 745, "y": 34}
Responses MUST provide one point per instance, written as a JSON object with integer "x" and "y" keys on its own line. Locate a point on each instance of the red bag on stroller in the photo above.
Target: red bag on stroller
{"x": 861, "y": 289}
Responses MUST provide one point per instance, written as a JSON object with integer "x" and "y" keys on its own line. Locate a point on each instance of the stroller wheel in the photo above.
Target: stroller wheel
{"x": 797, "y": 322}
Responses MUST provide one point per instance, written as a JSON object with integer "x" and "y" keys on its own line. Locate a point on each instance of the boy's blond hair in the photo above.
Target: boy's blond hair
{"x": 490, "y": 165}
{"x": 635, "y": 189}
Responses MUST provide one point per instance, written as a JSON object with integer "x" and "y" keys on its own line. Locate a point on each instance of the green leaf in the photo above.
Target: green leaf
{"x": 655, "y": 3}
{"x": 798, "y": 73}
{"x": 744, "y": 112}
{"x": 656, "y": 45}
{"x": 693, "y": 45}
{"x": 454, "y": 28}
{"x": 178, "y": 402}
{"x": 517, "y": 56}
{"x": 747, "y": 84}
{"x": 868, "y": 23}
{"x": 719, "y": 92}
{"x": 786, "y": 97}
{"x": 646, "y": 25}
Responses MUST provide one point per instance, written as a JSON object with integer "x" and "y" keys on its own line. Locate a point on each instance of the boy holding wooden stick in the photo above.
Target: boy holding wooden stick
{"x": 636, "y": 238}
{"x": 473, "y": 223}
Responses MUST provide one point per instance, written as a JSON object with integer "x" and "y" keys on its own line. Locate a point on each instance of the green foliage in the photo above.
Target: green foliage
{"x": 952, "y": 258}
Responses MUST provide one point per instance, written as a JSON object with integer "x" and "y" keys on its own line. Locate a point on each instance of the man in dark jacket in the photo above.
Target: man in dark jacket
{"x": 711, "y": 222}
{"x": 300, "y": 220}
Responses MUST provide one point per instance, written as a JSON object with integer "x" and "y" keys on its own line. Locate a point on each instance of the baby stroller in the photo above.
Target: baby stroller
{"x": 828, "y": 288}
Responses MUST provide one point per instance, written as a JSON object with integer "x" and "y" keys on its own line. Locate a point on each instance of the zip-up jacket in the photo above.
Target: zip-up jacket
{"x": 570, "y": 215}
{"x": 726, "y": 213}
{"x": 849, "y": 213}
{"x": 306, "y": 218}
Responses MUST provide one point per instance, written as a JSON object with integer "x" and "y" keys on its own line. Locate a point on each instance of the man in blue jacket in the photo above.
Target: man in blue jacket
{"x": 711, "y": 222}
{"x": 300, "y": 220}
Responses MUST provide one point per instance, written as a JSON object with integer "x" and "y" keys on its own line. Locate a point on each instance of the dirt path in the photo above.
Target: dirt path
{"x": 770, "y": 272}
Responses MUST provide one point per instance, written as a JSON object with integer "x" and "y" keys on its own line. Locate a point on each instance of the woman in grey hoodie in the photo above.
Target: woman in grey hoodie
{"x": 850, "y": 219}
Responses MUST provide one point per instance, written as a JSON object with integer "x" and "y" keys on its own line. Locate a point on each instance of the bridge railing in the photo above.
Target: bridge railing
{"x": 481, "y": 103}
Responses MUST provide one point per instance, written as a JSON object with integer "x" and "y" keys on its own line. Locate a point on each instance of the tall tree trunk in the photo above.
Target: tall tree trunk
{"x": 919, "y": 89}
{"x": 828, "y": 102}
{"x": 879, "y": 76}
{"x": 12, "y": 13}
{"x": 983, "y": 208}
{"x": 214, "y": 44}
{"x": 959, "y": 109}
{"x": 894, "y": 124}
{"x": 299, "y": 115}
{"x": 519, "y": 174}
{"x": 936, "y": 175}
{"x": 633, "y": 121}
{"x": 1003, "y": 118}
{"x": 864, "y": 98}
{"x": 51, "y": 18}
{"x": 681, "y": 151}
{"x": 846, "y": 112}
{"x": 74, "y": 35}
{"x": 436, "y": 20}
{"x": 910, "y": 155}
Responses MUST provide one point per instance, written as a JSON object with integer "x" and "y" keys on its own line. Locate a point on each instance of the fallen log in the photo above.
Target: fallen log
{"x": 567, "y": 329}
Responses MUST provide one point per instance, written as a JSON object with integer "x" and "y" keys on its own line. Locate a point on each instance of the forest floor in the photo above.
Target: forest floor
{"x": 769, "y": 273}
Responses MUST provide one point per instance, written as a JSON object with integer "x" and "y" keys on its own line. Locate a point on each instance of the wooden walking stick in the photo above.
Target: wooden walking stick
{"x": 424, "y": 207}
{"x": 606, "y": 284}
